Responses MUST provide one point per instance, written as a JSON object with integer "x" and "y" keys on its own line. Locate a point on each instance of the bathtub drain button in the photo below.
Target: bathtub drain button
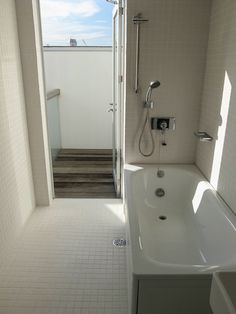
{"x": 160, "y": 192}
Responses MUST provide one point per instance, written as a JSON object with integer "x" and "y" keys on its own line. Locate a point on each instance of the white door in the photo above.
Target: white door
{"x": 117, "y": 92}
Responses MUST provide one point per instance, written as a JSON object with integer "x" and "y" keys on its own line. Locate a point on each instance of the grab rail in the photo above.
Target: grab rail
{"x": 53, "y": 93}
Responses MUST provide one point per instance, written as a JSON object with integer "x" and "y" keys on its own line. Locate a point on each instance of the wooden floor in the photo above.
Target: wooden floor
{"x": 80, "y": 173}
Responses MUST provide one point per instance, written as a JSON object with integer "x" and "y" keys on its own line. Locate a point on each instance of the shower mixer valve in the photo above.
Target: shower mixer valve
{"x": 163, "y": 123}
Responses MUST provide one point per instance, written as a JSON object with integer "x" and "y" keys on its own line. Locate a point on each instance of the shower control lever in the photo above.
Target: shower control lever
{"x": 163, "y": 125}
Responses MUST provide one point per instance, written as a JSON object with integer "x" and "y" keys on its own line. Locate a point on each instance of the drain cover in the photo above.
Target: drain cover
{"x": 119, "y": 242}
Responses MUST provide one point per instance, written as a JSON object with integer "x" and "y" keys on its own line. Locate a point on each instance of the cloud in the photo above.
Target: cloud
{"x": 56, "y": 32}
{"x": 101, "y": 21}
{"x": 65, "y": 19}
{"x": 63, "y": 9}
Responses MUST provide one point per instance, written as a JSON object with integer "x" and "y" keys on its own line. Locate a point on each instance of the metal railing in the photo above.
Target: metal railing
{"x": 53, "y": 93}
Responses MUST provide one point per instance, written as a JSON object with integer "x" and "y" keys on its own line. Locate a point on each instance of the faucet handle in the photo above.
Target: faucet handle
{"x": 163, "y": 126}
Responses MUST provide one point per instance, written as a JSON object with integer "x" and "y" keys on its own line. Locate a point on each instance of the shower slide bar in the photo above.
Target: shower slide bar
{"x": 137, "y": 20}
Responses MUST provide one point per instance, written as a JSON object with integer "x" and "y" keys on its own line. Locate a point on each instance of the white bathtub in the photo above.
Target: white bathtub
{"x": 197, "y": 237}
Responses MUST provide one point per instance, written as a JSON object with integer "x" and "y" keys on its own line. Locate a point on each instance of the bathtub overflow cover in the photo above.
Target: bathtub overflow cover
{"x": 160, "y": 192}
{"x": 162, "y": 217}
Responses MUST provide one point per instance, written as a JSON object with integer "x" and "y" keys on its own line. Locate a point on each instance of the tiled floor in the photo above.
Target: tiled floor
{"x": 65, "y": 263}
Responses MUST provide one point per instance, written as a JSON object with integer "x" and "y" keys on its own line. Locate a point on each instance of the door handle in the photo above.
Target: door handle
{"x": 110, "y": 110}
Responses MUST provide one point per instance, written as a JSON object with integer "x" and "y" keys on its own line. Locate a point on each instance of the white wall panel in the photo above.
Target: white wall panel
{"x": 173, "y": 47}
{"x": 85, "y": 80}
{"x": 16, "y": 184}
{"x": 218, "y": 114}
{"x": 33, "y": 77}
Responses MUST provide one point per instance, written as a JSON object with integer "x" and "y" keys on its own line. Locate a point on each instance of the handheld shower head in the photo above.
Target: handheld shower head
{"x": 152, "y": 85}
{"x": 148, "y": 104}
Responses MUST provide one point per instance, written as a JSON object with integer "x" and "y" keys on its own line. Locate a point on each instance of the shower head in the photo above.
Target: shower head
{"x": 152, "y": 85}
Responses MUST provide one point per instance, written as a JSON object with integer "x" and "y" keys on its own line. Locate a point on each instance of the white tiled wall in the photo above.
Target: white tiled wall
{"x": 16, "y": 186}
{"x": 86, "y": 91}
{"x": 218, "y": 114}
{"x": 32, "y": 70}
{"x": 172, "y": 50}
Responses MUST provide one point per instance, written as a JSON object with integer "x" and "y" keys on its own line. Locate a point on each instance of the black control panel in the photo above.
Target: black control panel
{"x": 160, "y": 123}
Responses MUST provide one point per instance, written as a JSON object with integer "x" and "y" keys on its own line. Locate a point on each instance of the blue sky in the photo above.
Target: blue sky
{"x": 84, "y": 20}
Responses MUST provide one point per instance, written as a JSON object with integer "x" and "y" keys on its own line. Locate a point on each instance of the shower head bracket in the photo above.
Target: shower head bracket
{"x": 138, "y": 19}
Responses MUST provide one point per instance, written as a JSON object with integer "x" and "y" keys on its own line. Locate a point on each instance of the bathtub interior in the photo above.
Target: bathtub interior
{"x": 189, "y": 225}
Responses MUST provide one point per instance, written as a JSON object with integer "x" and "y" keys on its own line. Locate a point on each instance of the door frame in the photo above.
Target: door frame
{"x": 117, "y": 91}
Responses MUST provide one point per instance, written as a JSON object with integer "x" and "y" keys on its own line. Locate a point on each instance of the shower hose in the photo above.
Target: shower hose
{"x": 146, "y": 122}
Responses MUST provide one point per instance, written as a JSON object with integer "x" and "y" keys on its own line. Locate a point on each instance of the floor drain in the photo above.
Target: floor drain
{"x": 119, "y": 242}
{"x": 162, "y": 217}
